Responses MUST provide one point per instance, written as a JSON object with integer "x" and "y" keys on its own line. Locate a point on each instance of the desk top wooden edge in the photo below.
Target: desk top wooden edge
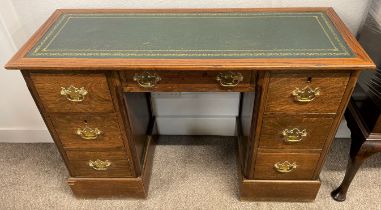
{"x": 360, "y": 61}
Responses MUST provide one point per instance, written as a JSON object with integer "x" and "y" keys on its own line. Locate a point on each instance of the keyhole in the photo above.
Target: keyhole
{"x": 85, "y": 121}
{"x": 309, "y": 79}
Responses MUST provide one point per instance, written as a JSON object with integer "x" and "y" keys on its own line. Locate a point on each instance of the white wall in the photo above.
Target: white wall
{"x": 19, "y": 117}
{"x": 20, "y": 120}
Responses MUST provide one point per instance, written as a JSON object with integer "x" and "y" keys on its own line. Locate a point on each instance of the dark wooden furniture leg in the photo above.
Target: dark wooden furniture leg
{"x": 360, "y": 151}
{"x": 363, "y": 146}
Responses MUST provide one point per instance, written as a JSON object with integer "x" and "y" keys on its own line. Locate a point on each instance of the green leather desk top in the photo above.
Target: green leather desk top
{"x": 192, "y": 35}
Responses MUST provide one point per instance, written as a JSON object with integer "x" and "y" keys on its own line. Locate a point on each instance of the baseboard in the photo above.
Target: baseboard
{"x": 25, "y": 136}
{"x": 180, "y": 125}
{"x": 343, "y": 131}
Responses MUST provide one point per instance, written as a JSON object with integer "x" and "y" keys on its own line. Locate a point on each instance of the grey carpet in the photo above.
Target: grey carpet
{"x": 188, "y": 173}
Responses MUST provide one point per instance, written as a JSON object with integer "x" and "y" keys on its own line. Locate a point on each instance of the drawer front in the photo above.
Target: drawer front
{"x": 294, "y": 132}
{"x": 100, "y": 164}
{"x": 306, "y": 92}
{"x": 88, "y": 131}
{"x": 292, "y": 166}
{"x": 73, "y": 92}
{"x": 187, "y": 81}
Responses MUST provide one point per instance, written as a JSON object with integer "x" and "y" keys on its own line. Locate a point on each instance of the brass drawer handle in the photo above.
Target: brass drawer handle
{"x": 305, "y": 95}
{"x": 146, "y": 79}
{"x": 285, "y": 167}
{"x": 88, "y": 133}
{"x": 229, "y": 79}
{"x": 294, "y": 135}
{"x": 99, "y": 165}
{"x": 74, "y": 94}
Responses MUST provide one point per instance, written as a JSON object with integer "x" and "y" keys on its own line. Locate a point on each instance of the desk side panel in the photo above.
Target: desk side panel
{"x": 46, "y": 118}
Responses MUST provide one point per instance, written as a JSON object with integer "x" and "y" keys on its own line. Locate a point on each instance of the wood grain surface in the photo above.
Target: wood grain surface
{"x": 331, "y": 85}
{"x": 279, "y": 190}
{"x": 107, "y": 187}
{"x": 67, "y": 125}
{"x": 140, "y": 115}
{"x": 136, "y": 187}
{"x": 188, "y": 81}
{"x": 306, "y": 164}
{"x": 98, "y": 98}
{"x": 86, "y": 155}
{"x": 271, "y": 134}
{"x": 120, "y": 164}
{"x": 118, "y": 168}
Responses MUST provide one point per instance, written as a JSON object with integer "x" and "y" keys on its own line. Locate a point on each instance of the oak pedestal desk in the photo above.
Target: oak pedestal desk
{"x": 91, "y": 71}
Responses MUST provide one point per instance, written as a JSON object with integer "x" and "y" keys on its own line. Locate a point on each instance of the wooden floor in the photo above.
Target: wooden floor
{"x": 188, "y": 173}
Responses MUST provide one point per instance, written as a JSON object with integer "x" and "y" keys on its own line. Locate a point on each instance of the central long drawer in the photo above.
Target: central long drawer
{"x": 188, "y": 81}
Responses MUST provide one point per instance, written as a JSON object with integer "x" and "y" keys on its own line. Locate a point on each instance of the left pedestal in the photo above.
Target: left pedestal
{"x": 107, "y": 152}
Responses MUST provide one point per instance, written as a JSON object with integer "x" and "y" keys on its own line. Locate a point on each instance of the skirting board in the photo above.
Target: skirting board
{"x": 25, "y": 136}
{"x": 220, "y": 126}
{"x": 173, "y": 126}
{"x": 343, "y": 131}
{"x": 190, "y": 104}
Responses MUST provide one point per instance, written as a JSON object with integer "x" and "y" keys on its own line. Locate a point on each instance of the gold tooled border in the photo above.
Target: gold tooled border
{"x": 104, "y": 52}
